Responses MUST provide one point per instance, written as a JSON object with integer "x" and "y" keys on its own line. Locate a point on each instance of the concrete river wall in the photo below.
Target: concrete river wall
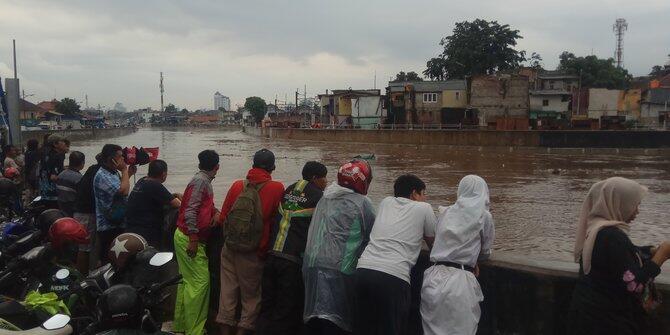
{"x": 523, "y": 296}
{"x": 77, "y": 134}
{"x": 516, "y": 138}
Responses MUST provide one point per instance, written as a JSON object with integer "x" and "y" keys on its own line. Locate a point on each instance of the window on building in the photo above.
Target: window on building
{"x": 551, "y": 85}
{"x": 429, "y": 97}
{"x": 458, "y": 95}
{"x": 545, "y": 102}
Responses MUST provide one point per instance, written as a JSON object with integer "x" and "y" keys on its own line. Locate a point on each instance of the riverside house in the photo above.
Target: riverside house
{"x": 501, "y": 101}
{"x": 432, "y": 103}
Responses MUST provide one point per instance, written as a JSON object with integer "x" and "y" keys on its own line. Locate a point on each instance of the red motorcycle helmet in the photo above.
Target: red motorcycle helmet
{"x": 67, "y": 230}
{"x": 355, "y": 175}
{"x": 11, "y": 172}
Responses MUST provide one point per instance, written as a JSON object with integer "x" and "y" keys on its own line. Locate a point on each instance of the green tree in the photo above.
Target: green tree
{"x": 68, "y": 106}
{"x": 595, "y": 72}
{"x": 660, "y": 71}
{"x": 535, "y": 61}
{"x": 184, "y": 111}
{"x": 257, "y": 107}
{"x": 171, "y": 109}
{"x": 409, "y": 76}
{"x": 477, "y": 47}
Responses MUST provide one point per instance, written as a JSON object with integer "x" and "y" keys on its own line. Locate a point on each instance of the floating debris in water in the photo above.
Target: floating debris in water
{"x": 367, "y": 157}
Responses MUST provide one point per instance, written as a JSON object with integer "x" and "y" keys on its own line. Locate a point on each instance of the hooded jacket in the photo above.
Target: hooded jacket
{"x": 339, "y": 231}
{"x": 270, "y": 194}
{"x": 197, "y": 208}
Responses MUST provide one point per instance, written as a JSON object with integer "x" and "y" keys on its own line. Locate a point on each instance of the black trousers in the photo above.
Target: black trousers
{"x": 283, "y": 297}
{"x": 318, "y": 326}
{"x": 105, "y": 239}
{"x": 382, "y": 304}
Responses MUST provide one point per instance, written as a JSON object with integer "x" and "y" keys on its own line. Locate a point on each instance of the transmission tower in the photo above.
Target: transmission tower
{"x": 620, "y": 26}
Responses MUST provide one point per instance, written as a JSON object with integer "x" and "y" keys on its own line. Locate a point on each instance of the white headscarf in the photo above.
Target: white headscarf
{"x": 464, "y": 217}
{"x": 610, "y": 202}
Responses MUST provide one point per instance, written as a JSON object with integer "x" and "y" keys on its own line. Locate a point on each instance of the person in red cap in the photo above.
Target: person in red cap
{"x": 339, "y": 232}
{"x": 65, "y": 235}
{"x": 247, "y": 215}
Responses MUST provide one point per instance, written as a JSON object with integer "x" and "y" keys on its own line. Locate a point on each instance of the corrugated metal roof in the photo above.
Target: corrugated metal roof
{"x": 429, "y": 86}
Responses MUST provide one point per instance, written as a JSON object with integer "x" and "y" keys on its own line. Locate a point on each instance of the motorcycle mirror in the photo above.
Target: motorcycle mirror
{"x": 25, "y": 239}
{"x": 56, "y": 322}
{"x": 161, "y": 258}
{"x": 62, "y": 274}
{"x": 34, "y": 253}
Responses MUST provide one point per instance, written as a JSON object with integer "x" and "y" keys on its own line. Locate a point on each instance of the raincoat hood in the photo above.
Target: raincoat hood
{"x": 334, "y": 190}
{"x": 257, "y": 176}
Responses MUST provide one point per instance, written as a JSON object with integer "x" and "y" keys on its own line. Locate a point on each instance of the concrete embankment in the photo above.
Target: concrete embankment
{"x": 77, "y": 134}
{"x": 525, "y": 296}
{"x": 650, "y": 142}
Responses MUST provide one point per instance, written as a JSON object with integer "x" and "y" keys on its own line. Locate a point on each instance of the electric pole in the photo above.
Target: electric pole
{"x": 162, "y": 90}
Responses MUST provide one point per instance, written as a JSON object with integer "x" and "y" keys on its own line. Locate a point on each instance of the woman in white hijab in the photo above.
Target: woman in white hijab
{"x": 615, "y": 286}
{"x": 450, "y": 294}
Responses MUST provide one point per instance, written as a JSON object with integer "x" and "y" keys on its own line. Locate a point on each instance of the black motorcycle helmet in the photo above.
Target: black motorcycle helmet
{"x": 47, "y": 218}
{"x": 120, "y": 306}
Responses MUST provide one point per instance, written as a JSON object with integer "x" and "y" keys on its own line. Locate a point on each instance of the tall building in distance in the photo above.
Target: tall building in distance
{"x": 221, "y": 100}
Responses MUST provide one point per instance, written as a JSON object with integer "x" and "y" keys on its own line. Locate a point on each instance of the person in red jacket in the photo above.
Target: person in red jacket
{"x": 240, "y": 270}
{"x": 197, "y": 215}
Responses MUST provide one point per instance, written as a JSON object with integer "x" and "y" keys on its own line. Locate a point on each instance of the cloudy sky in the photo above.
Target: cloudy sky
{"x": 114, "y": 50}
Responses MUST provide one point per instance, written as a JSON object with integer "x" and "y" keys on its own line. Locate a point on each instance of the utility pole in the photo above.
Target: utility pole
{"x": 304, "y": 102}
{"x": 375, "y": 83}
{"x": 162, "y": 90}
{"x": 86, "y": 101}
{"x": 14, "y": 52}
{"x": 297, "y": 92}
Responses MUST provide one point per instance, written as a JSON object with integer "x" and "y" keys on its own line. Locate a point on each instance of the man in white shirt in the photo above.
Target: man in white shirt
{"x": 383, "y": 272}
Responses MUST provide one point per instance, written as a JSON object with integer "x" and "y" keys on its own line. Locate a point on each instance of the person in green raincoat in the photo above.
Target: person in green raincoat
{"x": 197, "y": 216}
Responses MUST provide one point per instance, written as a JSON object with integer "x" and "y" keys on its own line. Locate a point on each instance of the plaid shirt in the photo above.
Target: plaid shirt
{"x": 105, "y": 185}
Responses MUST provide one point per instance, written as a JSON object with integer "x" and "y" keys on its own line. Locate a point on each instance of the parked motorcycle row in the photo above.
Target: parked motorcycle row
{"x": 41, "y": 292}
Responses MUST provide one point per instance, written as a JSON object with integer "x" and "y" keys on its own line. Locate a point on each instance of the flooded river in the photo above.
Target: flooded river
{"x": 535, "y": 210}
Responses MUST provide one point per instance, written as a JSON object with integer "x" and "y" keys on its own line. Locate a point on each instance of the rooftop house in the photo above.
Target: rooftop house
{"x": 550, "y": 93}
{"x": 336, "y": 105}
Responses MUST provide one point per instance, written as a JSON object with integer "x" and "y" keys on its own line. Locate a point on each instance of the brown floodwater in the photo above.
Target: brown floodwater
{"x": 535, "y": 210}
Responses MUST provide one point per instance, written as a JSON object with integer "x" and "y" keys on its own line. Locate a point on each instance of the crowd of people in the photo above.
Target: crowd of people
{"x": 319, "y": 258}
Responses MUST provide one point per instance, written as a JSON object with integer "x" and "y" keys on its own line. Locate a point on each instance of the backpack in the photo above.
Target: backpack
{"x": 244, "y": 224}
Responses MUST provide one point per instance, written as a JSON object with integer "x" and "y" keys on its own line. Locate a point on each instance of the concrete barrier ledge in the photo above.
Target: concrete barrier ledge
{"x": 531, "y": 296}
{"x": 555, "y": 268}
{"x": 574, "y": 142}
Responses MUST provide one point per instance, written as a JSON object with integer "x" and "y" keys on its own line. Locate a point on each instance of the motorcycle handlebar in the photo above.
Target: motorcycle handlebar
{"x": 172, "y": 281}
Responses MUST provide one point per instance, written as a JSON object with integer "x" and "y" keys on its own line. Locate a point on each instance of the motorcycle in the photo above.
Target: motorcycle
{"x": 56, "y": 325}
{"x": 78, "y": 295}
{"x": 20, "y": 234}
{"x": 124, "y": 309}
